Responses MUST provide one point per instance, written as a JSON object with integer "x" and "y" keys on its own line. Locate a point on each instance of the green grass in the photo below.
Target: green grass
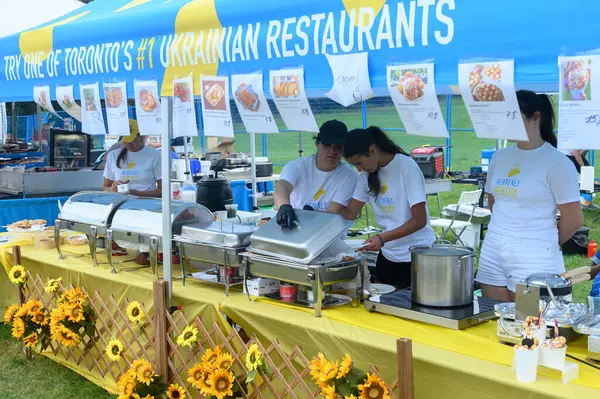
{"x": 39, "y": 378}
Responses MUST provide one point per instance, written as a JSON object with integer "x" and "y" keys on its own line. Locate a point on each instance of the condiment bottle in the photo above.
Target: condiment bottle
{"x": 592, "y": 249}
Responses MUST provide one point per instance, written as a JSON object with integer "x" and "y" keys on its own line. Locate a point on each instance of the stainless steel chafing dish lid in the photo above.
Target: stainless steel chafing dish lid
{"x": 92, "y": 207}
{"x": 224, "y": 234}
{"x": 303, "y": 243}
{"x": 143, "y": 216}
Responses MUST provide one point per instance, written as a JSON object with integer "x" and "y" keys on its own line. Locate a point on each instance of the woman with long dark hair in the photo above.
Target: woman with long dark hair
{"x": 393, "y": 184}
{"x": 134, "y": 164}
{"x": 526, "y": 184}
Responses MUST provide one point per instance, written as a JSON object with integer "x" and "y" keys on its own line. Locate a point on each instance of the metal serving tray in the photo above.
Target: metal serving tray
{"x": 302, "y": 243}
{"x": 209, "y": 253}
{"x": 225, "y": 234}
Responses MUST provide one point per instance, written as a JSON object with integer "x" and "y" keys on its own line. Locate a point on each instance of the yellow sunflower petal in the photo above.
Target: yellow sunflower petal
{"x": 17, "y": 275}
{"x": 188, "y": 336}
{"x": 31, "y": 340}
{"x": 135, "y": 312}
{"x": 254, "y": 358}
{"x": 373, "y": 388}
{"x": 10, "y": 313}
{"x": 175, "y": 391}
{"x": 114, "y": 350}
{"x": 221, "y": 382}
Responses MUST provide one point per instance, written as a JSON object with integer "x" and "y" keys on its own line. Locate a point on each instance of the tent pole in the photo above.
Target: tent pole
{"x": 300, "y": 150}
{"x": 14, "y": 120}
{"x": 498, "y": 144}
{"x": 253, "y": 170}
{"x": 187, "y": 159}
{"x": 39, "y": 121}
{"x": 165, "y": 155}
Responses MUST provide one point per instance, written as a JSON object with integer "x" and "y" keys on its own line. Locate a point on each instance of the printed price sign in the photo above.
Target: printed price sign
{"x": 115, "y": 97}
{"x": 488, "y": 91}
{"x": 252, "y": 104}
{"x": 579, "y": 103}
{"x": 287, "y": 89}
{"x": 216, "y": 114}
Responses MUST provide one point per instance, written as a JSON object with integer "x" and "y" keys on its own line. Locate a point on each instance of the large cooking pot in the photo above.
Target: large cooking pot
{"x": 214, "y": 193}
{"x": 442, "y": 275}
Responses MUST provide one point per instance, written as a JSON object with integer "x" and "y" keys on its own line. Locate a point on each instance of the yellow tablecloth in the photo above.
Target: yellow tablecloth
{"x": 448, "y": 363}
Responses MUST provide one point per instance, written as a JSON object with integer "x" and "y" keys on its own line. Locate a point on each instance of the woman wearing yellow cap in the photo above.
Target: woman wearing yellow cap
{"x": 135, "y": 164}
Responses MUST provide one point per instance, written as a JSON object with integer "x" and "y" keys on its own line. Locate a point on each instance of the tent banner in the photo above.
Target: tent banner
{"x": 144, "y": 40}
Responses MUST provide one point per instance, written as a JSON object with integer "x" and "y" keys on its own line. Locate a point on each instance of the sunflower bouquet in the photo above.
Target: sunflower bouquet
{"x": 72, "y": 318}
{"x": 141, "y": 381}
{"x": 344, "y": 381}
{"x": 214, "y": 376}
{"x": 29, "y": 323}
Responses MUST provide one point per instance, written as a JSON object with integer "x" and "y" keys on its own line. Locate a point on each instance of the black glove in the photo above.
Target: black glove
{"x": 308, "y": 208}
{"x": 286, "y": 216}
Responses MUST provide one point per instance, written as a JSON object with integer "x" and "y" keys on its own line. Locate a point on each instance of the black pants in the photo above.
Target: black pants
{"x": 392, "y": 273}
{"x": 577, "y": 166}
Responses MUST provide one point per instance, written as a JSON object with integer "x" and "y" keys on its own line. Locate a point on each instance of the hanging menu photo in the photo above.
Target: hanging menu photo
{"x": 92, "y": 120}
{"x": 41, "y": 95}
{"x": 147, "y": 107}
{"x": 412, "y": 89}
{"x": 488, "y": 91}
{"x": 184, "y": 112}
{"x": 252, "y": 104}
{"x": 66, "y": 100}
{"x": 115, "y": 96}
{"x": 216, "y": 114}
{"x": 287, "y": 90}
{"x": 579, "y": 103}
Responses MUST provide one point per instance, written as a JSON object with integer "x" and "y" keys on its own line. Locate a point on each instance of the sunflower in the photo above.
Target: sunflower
{"x": 137, "y": 366}
{"x": 316, "y": 365}
{"x": 125, "y": 386}
{"x": 22, "y": 312}
{"x": 198, "y": 377}
{"x": 114, "y": 350}
{"x": 345, "y": 366}
{"x": 145, "y": 373}
{"x": 65, "y": 336}
{"x": 74, "y": 312}
{"x": 75, "y": 295}
{"x": 10, "y": 313}
{"x": 373, "y": 388}
{"x": 33, "y": 307}
{"x": 39, "y": 318}
{"x": 17, "y": 275}
{"x": 224, "y": 361}
{"x": 328, "y": 392}
{"x": 221, "y": 382}
{"x": 210, "y": 356}
{"x": 135, "y": 312}
{"x": 188, "y": 336}
{"x": 52, "y": 285}
{"x": 136, "y": 396}
{"x": 254, "y": 358}
{"x": 30, "y": 340}
{"x": 18, "y": 328}
{"x": 176, "y": 391}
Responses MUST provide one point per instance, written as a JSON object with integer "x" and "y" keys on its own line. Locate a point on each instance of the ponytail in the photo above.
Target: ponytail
{"x": 359, "y": 141}
{"x": 122, "y": 159}
{"x": 530, "y": 103}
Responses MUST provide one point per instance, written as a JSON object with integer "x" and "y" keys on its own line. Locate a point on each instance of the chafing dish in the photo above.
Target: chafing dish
{"x": 306, "y": 255}
{"x": 89, "y": 213}
{"x": 217, "y": 243}
{"x": 137, "y": 225}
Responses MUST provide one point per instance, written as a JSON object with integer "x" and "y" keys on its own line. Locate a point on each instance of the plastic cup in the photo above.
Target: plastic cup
{"x": 526, "y": 362}
{"x": 553, "y": 358}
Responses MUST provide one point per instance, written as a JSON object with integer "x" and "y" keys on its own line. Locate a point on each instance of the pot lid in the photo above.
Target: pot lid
{"x": 442, "y": 250}
{"x": 553, "y": 280}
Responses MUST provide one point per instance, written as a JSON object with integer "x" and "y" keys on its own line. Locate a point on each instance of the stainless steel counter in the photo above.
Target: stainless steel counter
{"x": 14, "y": 181}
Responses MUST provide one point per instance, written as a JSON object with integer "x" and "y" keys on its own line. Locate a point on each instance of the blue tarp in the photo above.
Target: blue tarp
{"x": 161, "y": 39}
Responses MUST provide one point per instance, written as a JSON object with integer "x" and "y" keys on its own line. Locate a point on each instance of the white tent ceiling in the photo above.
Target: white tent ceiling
{"x": 20, "y": 15}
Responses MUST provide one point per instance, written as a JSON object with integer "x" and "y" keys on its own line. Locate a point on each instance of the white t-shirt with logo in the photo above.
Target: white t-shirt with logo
{"x": 142, "y": 171}
{"x": 317, "y": 188}
{"x": 402, "y": 187}
{"x": 528, "y": 186}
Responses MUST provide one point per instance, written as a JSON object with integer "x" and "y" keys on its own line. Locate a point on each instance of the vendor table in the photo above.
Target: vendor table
{"x": 448, "y": 363}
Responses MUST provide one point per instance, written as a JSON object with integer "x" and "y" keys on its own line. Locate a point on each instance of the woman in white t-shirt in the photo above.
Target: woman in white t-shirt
{"x": 135, "y": 164}
{"x": 392, "y": 182}
{"x": 319, "y": 182}
{"x": 526, "y": 183}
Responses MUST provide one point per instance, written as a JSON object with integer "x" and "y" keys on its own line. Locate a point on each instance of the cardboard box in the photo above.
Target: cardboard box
{"x": 225, "y": 147}
{"x": 262, "y": 286}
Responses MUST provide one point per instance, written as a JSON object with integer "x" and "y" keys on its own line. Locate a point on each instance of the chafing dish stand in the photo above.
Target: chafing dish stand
{"x": 217, "y": 243}
{"x": 89, "y": 213}
{"x": 314, "y": 276}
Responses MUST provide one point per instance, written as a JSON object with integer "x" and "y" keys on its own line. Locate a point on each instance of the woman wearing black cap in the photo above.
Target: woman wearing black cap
{"x": 392, "y": 182}
{"x": 318, "y": 182}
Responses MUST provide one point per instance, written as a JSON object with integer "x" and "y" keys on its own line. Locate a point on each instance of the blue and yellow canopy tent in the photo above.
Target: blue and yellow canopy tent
{"x": 162, "y": 39}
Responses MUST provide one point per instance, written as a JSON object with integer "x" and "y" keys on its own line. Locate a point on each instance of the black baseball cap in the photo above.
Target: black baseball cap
{"x": 332, "y": 132}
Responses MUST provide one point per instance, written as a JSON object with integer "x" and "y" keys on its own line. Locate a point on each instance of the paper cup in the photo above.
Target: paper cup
{"x": 540, "y": 334}
{"x": 553, "y": 358}
{"x": 526, "y": 363}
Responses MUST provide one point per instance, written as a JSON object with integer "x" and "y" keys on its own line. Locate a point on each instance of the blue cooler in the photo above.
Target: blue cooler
{"x": 486, "y": 157}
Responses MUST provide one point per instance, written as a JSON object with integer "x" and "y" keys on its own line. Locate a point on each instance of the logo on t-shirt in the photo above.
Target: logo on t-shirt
{"x": 131, "y": 165}
{"x": 320, "y": 192}
{"x": 385, "y": 202}
{"x": 508, "y": 187}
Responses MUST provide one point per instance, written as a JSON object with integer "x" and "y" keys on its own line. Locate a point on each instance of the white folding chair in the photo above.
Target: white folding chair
{"x": 468, "y": 199}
